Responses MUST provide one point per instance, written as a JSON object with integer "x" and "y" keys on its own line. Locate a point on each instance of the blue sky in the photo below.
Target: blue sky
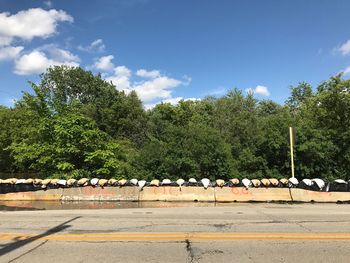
{"x": 169, "y": 50}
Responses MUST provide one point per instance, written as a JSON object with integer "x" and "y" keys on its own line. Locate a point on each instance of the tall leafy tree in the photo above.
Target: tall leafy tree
{"x": 299, "y": 94}
{"x": 324, "y": 123}
{"x": 70, "y": 145}
{"x": 70, "y": 89}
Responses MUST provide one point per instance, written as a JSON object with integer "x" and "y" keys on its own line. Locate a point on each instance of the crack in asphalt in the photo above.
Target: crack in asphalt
{"x": 303, "y": 227}
{"x": 275, "y": 220}
{"x": 190, "y": 258}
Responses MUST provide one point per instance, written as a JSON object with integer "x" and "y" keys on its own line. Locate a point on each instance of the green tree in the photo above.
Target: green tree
{"x": 272, "y": 146}
{"x": 324, "y": 121}
{"x": 299, "y": 94}
{"x": 181, "y": 146}
{"x": 71, "y": 146}
{"x": 64, "y": 89}
{"x": 15, "y": 124}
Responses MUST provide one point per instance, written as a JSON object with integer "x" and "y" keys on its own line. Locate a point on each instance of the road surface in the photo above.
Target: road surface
{"x": 222, "y": 233}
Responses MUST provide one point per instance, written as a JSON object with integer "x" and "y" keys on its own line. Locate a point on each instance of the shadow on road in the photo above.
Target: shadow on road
{"x": 20, "y": 243}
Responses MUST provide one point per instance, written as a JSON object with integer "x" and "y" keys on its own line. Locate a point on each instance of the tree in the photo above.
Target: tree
{"x": 274, "y": 122}
{"x": 324, "y": 122}
{"x": 181, "y": 146}
{"x": 188, "y": 152}
{"x": 64, "y": 89}
{"x": 69, "y": 146}
{"x": 299, "y": 94}
{"x": 15, "y": 124}
{"x": 5, "y": 139}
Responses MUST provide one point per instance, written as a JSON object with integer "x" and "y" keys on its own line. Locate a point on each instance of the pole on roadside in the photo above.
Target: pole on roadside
{"x": 291, "y": 143}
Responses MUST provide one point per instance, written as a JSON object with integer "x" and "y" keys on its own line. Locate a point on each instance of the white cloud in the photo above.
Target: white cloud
{"x": 344, "y": 49}
{"x": 59, "y": 54}
{"x": 104, "y": 63}
{"x": 148, "y": 74}
{"x": 121, "y": 83}
{"x": 34, "y": 62}
{"x": 121, "y": 78}
{"x": 39, "y": 60}
{"x": 8, "y": 53}
{"x": 173, "y": 101}
{"x": 149, "y": 106}
{"x": 5, "y": 41}
{"x": 156, "y": 88}
{"x": 346, "y": 71}
{"x": 160, "y": 87}
{"x": 153, "y": 86}
{"x": 27, "y": 24}
{"x": 96, "y": 46}
{"x": 122, "y": 71}
{"x": 261, "y": 90}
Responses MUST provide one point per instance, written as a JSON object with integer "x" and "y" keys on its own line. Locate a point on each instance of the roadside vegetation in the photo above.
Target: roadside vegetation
{"x": 75, "y": 124}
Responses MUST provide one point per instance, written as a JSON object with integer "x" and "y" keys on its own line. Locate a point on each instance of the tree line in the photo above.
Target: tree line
{"x": 75, "y": 124}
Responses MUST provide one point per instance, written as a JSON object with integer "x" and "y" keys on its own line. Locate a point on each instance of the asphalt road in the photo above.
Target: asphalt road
{"x": 222, "y": 233}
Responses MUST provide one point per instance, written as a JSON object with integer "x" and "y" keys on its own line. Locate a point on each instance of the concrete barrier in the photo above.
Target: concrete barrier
{"x": 241, "y": 194}
{"x": 90, "y": 193}
{"x": 301, "y": 195}
{"x": 173, "y": 193}
{"x": 41, "y": 195}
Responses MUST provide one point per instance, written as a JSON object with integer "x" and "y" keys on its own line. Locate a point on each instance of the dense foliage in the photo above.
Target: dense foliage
{"x": 75, "y": 124}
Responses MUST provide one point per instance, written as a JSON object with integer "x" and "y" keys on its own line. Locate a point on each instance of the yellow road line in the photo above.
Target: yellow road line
{"x": 180, "y": 234}
{"x": 192, "y": 239}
